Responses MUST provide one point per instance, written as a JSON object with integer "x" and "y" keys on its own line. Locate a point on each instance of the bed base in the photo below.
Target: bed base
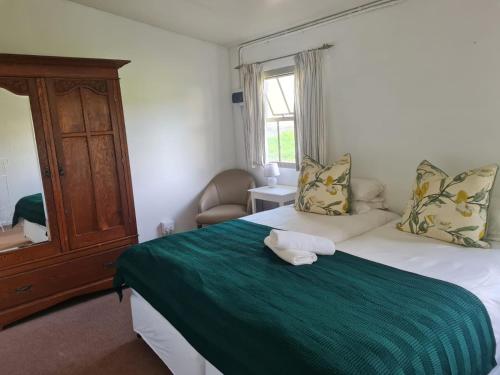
{"x": 161, "y": 336}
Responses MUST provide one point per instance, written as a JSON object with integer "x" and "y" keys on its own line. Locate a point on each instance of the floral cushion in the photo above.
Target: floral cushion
{"x": 452, "y": 209}
{"x": 324, "y": 189}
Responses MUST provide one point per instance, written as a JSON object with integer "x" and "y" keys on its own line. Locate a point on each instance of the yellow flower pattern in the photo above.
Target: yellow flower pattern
{"x": 304, "y": 179}
{"x": 324, "y": 189}
{"x": 461, "y": 197}
{"x": 452, "y": 209}
{"x": 420, "y": 191}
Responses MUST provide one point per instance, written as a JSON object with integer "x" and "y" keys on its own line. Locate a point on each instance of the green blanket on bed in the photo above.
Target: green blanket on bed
{"x": 248, "y": 312}
{"x": 31, "y": 209}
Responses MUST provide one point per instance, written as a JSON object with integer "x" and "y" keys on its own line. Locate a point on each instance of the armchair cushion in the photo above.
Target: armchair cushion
{"x": 221, "y": 213}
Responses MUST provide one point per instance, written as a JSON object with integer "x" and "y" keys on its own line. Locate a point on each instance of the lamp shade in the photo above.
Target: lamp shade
{"x": 271, "y": 170}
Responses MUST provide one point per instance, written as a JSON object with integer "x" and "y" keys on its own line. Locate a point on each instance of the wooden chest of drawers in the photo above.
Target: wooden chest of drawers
{"x": 23, "y": 293}
{"x": 29, "y": 286}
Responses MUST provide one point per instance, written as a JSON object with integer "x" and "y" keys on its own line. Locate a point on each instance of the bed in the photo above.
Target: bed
{"x": 361, "y": 239}
{"x": 30, "y": 212}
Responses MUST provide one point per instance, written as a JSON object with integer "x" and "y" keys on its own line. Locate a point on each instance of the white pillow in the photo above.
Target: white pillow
{"x": 365, "y": 189}
{"x": 494, "y": 220}
{"x": 361, "y": 207}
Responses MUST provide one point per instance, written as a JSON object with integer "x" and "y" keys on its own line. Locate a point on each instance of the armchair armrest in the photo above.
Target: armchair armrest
{"x": 209, "y": 198}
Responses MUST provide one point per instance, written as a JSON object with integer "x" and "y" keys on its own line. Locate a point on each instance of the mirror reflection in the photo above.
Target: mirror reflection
{"x": 23, "y": 218}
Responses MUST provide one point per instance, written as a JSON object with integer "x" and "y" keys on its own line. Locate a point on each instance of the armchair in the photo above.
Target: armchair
{"x": 226, "y": 197}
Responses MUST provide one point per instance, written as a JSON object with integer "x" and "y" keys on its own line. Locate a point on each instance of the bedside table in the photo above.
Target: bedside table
{"x": 280, "y": 194}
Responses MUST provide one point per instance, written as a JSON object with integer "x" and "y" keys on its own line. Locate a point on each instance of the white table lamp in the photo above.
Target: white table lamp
{"x": 271, "y": 171}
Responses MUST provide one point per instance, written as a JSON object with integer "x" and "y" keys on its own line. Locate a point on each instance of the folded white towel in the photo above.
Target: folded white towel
{"x": 303, "y": 242}
{"x": 295, "y": 257}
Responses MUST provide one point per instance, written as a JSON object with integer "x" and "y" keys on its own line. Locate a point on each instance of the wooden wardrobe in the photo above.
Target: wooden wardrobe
{"x": 80, "y": 138}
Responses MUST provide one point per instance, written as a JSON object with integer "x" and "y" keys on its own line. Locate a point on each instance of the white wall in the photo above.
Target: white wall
{"x": 17, "y": 145}
{"x": 176, "y": 96}
{"x": 419, "y": 80}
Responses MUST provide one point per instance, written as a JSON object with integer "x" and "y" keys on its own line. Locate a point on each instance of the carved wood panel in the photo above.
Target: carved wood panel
{"x": 70, "y": 112}
{"x": 87, "y": 143}
{"x": 18, "y": 86}
{"x": 63, "y": 86}
{"x": 99, "y": 118}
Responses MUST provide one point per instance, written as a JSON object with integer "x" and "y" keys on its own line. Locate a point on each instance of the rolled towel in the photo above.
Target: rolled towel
{"x": 303, "y": 242}
{"x": 295, "y": 257}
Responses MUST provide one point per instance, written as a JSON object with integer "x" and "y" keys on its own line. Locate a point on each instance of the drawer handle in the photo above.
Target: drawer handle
{"x": 109, "y": 264}
{"x": 24, "y": 289}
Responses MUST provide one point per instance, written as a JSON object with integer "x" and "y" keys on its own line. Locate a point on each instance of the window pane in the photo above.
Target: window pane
{"x": 275, "y": 97}
{"x": 279, "y": 108}
{"x": 287, "y": 141}
{"x": 268, "y": 111}
{"x": 272, "y": 153}
{"x": 287, "y": 84}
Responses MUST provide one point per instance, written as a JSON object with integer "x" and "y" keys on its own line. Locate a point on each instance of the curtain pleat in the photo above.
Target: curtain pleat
{"x": 252, "y": 77}
{"x": 309, "y": 112}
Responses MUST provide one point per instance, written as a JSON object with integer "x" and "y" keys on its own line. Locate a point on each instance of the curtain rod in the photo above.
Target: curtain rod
{"x": 372, "y": 5}
{"x": 324, "y": 46}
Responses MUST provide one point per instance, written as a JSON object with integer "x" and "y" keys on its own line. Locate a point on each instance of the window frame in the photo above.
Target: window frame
{"x": 276, "y": 73}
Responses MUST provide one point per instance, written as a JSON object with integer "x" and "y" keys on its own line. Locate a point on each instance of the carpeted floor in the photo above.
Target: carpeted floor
{"x": 91, "y": 335}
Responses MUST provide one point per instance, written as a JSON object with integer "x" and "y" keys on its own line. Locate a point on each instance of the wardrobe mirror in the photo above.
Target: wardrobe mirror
{"x": 23, "y": 218}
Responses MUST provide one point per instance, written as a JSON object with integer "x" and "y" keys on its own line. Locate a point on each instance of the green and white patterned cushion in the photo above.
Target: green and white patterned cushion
{"x": 451, "y": 209}
{"x": 322, "y": 189}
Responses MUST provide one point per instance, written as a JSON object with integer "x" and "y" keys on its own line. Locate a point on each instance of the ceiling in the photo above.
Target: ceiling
{"x": 225, "y": 22}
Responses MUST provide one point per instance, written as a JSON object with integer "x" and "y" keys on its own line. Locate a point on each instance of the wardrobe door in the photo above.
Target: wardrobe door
{"x": 28, "y": 219}
{"x": 86, "y": 131}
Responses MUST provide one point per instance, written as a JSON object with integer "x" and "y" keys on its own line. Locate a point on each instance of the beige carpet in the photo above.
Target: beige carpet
{"x": 91, "y": 335}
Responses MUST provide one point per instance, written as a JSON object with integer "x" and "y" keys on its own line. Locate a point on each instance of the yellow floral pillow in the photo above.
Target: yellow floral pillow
{"x": 324, "y": 189}
{"x": 452, "y": 209}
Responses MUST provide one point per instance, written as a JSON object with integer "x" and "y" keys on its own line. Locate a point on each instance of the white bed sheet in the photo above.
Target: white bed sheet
{"x": 336, "y": 228}
{"x": 34, "y": 232}
{"x": 371, "y": 236}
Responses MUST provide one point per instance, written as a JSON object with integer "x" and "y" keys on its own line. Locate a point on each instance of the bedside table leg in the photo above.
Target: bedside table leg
{"x": 254, "y": 205}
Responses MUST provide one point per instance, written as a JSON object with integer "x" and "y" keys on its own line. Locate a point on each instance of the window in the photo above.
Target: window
{"x": 280, "y": 117}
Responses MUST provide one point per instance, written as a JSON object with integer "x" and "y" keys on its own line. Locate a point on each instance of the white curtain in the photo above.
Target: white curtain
{"x": 252, "y": 77}
{"x": 309, "y": 115}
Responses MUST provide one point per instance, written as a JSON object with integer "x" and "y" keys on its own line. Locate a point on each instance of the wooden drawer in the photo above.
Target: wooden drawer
{"x": 29, "y": 286}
